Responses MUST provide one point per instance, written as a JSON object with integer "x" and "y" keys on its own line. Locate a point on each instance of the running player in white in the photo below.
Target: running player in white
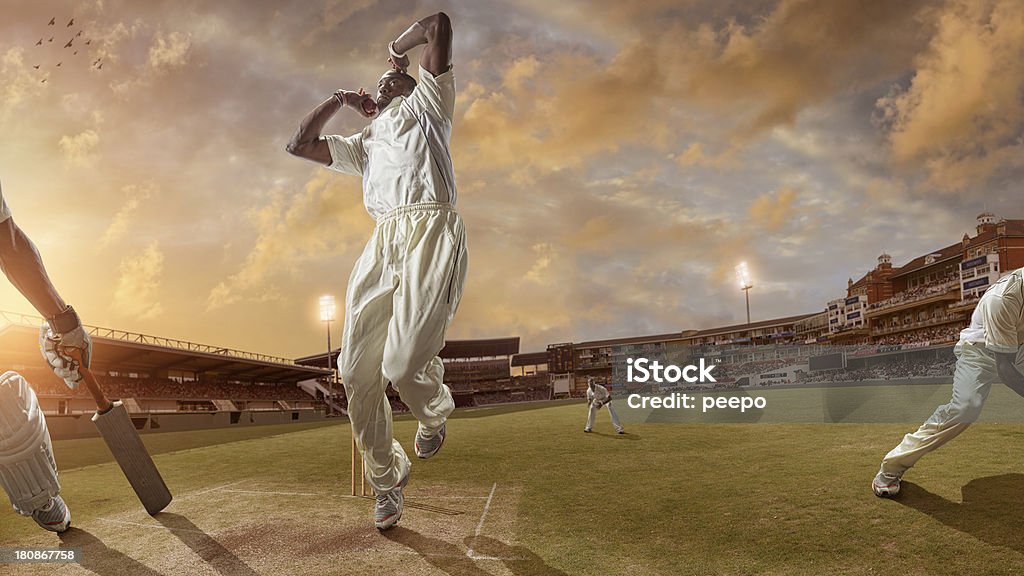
{"x": 598, "y": 396}
{"x": 28, "y": 471}
{"x": 407, "y": 284}
{"x": 989, "y": 351}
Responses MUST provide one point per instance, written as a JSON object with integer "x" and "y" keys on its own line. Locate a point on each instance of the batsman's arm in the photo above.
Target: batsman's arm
{"x": 307, "y": 142}
{"x": 1008, "y": 372}
{"x": 23, "y": 266}
{"x": 436, "y": 32}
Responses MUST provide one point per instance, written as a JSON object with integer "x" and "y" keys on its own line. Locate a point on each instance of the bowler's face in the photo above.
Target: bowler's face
{"x": 391, "y": 85}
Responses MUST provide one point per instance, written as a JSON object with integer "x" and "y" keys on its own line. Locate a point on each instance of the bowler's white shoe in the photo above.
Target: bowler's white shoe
{"x": 428, "y": 444}
{"x": 388, "y": 511}
{"x": 885, "y": 485}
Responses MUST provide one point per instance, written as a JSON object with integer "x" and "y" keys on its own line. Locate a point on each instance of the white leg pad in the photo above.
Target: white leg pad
{"x": 28, "y": 471}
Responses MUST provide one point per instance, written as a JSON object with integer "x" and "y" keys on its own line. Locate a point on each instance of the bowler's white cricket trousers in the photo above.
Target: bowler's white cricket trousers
{"x": 975, "y": 373}
{"x": 402, "y": 295}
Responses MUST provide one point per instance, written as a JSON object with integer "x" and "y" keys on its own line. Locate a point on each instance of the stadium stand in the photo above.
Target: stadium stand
{"x": 479, "y": 372}
{"x": 895, "y": 370}
{"x": 154, "y": 374}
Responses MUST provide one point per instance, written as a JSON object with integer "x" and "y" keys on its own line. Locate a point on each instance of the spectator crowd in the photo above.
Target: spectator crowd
{"x": 46, "y": 384}
{"x": 895, "y": 370}
{"x": 940, "y": 286}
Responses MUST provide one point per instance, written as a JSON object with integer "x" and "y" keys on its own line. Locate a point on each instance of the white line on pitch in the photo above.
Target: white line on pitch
{"x": 160, "y": 526}
{"x": 207, "y": 491}
{"x": 479, "y": 557}
{"x": 480, "y": 525}
{"x": 427, "y": 497}
{"x": 474, "y": 557}
{"x": 329, "y": 495}
{"x": 270, "y": 492}
{"x": 487, "y": 507}
{"x": 191, "y": 495}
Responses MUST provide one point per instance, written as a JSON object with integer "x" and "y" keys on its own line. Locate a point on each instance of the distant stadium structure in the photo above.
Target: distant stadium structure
{"x": 892, "y": 323}
{"x": 166, "y": 384}
{"x": 479, "y": 372}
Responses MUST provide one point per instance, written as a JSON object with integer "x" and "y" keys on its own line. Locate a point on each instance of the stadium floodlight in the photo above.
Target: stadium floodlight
{"x": 327, "y": 311}
{"x": 327, "y": 308}
{"x": 746, "y": 283}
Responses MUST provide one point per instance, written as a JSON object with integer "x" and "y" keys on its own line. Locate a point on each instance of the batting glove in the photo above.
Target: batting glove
{"x": 55, "y": 346}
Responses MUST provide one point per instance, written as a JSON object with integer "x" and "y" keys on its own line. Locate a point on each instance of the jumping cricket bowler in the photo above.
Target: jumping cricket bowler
{"x": 989, "y": 351}
{"x": 27, "y": 468}
{"x": 407, "y": 283}
{"x": 598, "y": 396}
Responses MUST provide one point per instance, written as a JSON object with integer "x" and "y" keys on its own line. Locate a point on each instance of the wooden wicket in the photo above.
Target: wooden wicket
{"x": 362, "y": 470}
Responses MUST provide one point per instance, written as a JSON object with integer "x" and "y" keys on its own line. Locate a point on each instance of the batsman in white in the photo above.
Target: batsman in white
{"x": 28, "y": 471}
{"x": 989, "y": 351}
{"x": 406, "y": 286}
{"x": 598, "y": 396}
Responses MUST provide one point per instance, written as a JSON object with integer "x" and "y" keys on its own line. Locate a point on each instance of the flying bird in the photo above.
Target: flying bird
{"x": 100, "y": 67}
{"x": 40, "y": 43}
{"x": 58, "y": 64}
{"x": 36, "y": 66}
{"x": 70, "y": 23}
{"x": 52, "y": 21}
{"x": 76, "y": 53}
{"x": 68, "y": 45}
{"x": 79, "y": 34}
{"x": 87, "y": 42}
{"x": 43, "y": 81}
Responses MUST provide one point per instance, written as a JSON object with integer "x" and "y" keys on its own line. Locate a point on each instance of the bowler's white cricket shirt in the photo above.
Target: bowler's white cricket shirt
{"x": 403, "y": 154}
{"x": 998, "y": 319}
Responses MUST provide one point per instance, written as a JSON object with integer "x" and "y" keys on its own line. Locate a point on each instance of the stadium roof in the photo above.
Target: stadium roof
{"x": 631, "y": 340}
{"x": 530, "y": 358}
{"x": 752, "y": 325}
{"x": 478, "y": 348}
{"x": 946, "y": 254}
{"x": 1013, "y": 228}
{"x": 684, "y": 335}
{"x": 318, "y": 360}
{"x": 124, "y": 351}
{"x": 452, "y": 349}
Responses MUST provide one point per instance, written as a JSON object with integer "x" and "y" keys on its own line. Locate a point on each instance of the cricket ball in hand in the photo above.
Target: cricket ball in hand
{"x": 369, "y": 106}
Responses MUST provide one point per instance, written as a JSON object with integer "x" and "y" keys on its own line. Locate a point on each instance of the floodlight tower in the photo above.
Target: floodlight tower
{"x": 743, "y": 275}
{"x": 327, "y": 311}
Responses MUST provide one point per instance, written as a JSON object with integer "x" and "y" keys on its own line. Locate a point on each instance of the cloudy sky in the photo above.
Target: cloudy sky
{"x": 615, "y": 160}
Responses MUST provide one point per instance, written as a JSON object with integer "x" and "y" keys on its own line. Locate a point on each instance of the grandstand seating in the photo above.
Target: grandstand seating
{"x": 939, "y": 287}
{"x": 892, "y": 370}
{"x": 46, "y": 384}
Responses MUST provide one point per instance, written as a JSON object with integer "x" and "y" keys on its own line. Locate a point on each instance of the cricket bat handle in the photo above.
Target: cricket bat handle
{"x": 102, "y": 402}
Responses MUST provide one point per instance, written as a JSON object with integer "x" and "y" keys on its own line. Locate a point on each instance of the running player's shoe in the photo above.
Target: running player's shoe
{"x": 388, "y": 511}
{"x": 885, "y": 485}
{"x": 428, "y": 444}
{"x": 586, "y": 430}
{"x": 54, "y": 516}
{"x": 621, "y": 431}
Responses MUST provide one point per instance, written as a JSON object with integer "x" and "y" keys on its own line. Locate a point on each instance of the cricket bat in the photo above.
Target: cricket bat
{"x": 123, "y": 440}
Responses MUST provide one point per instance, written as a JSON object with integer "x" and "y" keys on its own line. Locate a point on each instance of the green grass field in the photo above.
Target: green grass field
{"x": 521, "y": 490}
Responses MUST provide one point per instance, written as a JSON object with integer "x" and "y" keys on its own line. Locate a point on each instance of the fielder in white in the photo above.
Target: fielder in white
{"x": 28, "y": 471}
{"x": 598, "y": 396}
{"x": 989, "y": 352}
{"x": 406, "y": 286}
